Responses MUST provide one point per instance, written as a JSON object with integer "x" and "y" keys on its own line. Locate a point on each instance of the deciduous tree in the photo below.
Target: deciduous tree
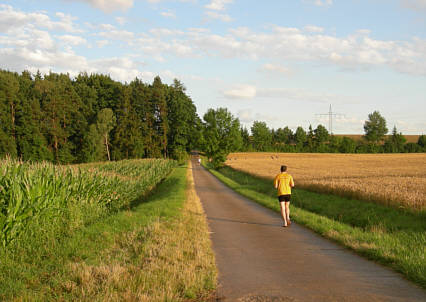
{"x": 221, "y": 134}
{"x": 375, "y": 127}
{"x": 106, "y": 121}
{"x": 262, "y": 136}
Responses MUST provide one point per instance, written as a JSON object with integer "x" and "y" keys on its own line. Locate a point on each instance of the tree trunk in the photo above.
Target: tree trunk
{"x": 12, "y": 109}
{"x": 106, "y": 144}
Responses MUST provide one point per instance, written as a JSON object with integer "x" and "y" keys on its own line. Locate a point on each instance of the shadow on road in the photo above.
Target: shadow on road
{"x": 243, "y": 222}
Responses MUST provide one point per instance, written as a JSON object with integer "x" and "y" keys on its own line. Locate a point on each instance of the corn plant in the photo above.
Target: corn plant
{"x": 44, "y": 192}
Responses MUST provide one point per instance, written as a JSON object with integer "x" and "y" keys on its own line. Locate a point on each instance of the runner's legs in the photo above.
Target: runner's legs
{"x": 287, "y": 211}
{"x": 283, "y": 211}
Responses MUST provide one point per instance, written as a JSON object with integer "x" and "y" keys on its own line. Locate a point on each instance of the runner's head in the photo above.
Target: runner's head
{"x": 283, "y": 168}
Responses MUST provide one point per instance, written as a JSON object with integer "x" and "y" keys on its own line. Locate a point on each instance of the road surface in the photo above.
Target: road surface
{"x": 259, "y": 260}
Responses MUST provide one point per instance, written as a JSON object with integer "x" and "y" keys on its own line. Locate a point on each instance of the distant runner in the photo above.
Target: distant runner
{"x": 199, "y": 161}
{"x": 283, "y": 182}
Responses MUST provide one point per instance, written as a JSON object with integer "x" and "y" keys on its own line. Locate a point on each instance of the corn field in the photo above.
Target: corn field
{"x": 37, "y": 196}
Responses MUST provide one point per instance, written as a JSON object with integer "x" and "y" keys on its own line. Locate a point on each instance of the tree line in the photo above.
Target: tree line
{"x": 223, "y": 134}
{"x": 93, "y": 118}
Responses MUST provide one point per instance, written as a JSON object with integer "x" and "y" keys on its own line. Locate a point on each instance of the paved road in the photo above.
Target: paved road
{"x": 258, "y": 260}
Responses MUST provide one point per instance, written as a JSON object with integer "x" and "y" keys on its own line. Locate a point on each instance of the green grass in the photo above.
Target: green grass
{"x": 389, "y": 236}
{"x": 112, "y": 259}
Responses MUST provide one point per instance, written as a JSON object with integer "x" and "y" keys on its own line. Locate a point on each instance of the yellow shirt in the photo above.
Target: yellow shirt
{"x": 283, "y": 182}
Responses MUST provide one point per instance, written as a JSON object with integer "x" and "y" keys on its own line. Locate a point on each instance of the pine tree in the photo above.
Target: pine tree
{"x": 9, "y": 88}
{"x": 182, "y": 119}
{"x": 160, "y": 115}
{"x": 32, "y": 145}
{"x": 139, "y": 98}
{"x": 395, "y": 143}
{"x": 128, "y": 141}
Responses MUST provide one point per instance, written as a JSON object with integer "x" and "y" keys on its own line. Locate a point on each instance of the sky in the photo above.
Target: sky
{"x": 283, "y": 62}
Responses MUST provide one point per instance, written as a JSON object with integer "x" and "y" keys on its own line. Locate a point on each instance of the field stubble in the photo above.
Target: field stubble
{"x": 397, "y": 180}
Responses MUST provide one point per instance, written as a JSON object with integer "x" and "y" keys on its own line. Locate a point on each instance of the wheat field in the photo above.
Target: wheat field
{"x": 392, "y": 179}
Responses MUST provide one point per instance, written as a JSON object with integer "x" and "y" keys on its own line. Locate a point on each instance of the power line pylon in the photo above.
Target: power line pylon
{"x": 330, "y": 115}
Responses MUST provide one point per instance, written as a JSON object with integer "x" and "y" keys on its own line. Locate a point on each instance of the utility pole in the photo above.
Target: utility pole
{"x": 330, "y": 115}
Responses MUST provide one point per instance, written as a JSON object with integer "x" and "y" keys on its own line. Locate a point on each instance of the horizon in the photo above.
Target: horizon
{"x": 281, "y": 63}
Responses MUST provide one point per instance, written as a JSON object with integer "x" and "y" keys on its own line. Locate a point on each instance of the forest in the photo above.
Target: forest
{"x": 90, "y": 118}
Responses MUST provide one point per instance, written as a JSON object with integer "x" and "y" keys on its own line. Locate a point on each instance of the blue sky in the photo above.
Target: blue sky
{"x": 279, "y": 61}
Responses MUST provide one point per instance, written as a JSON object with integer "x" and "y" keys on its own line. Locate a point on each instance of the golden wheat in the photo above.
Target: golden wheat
{"x": 393, "y": 179}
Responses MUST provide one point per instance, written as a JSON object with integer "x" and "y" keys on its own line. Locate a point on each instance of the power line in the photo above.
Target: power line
{"x": 330, "y": 115}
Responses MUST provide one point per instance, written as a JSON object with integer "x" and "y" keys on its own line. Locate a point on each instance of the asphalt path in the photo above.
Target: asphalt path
{"x": 259, "y": 260}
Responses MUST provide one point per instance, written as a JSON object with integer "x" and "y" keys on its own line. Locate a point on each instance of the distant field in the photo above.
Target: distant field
{"x": 392, "y": 179}
{"x": 357, "y": 137}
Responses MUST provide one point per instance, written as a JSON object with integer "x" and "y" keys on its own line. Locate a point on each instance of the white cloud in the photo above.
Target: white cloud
{"x": 72, "y": 40}
{"x": 120, "y": 20}
{"x": 214, "y": 10}
{"x": 168, "y": 14}
{"x": 122, "y": 69}
{"x": 356, "y": 51}
{"x": 155, "y": 46}
{"x": 303, "y": 95}
{"x": 183, "y": 1}
{"x": 41, "y": 59}
{"x": 314, "y": 29}
{"x": 247, "y": 116}
{"x": 218, "y": 16}
{"x": 286, "y": 30}
{"x": 198, "y": 30}
{"x": 11, "y": 20}
{"x": 102, "y": 43}
{"x": 245, "y": 91}
{"x": 34, "y": 38}
{"x": 26, "y": 45}
{"x": 166, "y": 32}
{"x": 320, "y": 2}
{"x": 276, "y": 68}
{"x": 109, "y": 5}
{"x": 408, "y": 127}
{"x": 341, "y": 124}
{"x": 241, "y": 92}
{"x": 122, "y": 35}
{"x": 218, "y": 4}
{"x": 106, "y": 27}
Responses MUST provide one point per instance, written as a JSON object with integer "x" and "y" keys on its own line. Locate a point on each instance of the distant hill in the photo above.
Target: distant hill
{"x": 357, "y": 137}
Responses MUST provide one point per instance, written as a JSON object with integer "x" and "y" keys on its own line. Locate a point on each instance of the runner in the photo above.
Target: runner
{"x": 283, "y": 182}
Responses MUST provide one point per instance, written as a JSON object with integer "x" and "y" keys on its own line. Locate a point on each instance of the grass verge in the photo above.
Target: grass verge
{"x": 386, "y": 235}
{"x": 158, "y": 250}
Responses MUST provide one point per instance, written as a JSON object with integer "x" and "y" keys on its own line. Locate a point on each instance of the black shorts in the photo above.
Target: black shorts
{"x": 285, "y": 198}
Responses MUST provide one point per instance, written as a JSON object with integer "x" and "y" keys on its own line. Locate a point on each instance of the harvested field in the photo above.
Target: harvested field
{"x": 392, "y": 179}
{"x": 410, "y": 138}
